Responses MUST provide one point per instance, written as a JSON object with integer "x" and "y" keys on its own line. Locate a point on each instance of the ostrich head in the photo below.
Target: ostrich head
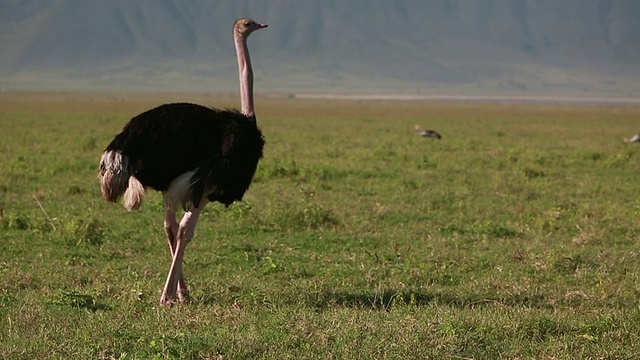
{"x": 243, "y": 27}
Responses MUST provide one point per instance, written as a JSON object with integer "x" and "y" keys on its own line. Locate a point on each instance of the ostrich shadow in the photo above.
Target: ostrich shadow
{"x": 388, "y": 299}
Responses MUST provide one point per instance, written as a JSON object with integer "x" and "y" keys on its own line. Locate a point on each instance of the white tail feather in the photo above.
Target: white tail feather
{"x": 134, "y": 194}
{"x": 116, "y": 179}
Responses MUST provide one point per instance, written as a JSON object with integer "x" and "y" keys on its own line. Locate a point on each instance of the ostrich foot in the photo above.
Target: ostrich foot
{"x": 183, "y": 295}
{"x": 180, "y": 296}
{"x": 167, "y": 300}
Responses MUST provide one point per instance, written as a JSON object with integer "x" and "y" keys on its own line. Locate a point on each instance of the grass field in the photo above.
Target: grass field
{"x": 513, "y": 237}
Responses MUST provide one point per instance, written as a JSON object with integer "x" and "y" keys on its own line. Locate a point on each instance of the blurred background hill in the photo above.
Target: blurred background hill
{"x": 522, "y": 47}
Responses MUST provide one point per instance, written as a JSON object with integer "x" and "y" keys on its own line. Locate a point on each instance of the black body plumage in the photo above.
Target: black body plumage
{"x": 223, "y": 147}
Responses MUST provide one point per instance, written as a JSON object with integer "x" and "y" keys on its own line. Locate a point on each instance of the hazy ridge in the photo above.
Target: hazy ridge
{"x": 449, "y": 46}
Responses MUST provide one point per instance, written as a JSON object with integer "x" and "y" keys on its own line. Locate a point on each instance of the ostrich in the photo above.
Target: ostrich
{"x": 192, "y": 154}
{"x": 427, "y": 133}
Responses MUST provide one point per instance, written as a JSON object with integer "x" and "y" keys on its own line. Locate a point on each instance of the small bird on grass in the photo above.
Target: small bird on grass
{"x": 427, "y": 133}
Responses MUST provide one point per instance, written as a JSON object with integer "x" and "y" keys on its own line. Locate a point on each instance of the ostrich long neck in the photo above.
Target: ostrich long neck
{"x": 245, "y": 76}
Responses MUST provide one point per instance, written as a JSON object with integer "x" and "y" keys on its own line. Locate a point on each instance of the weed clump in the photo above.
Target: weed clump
{"x": 14, "y": 221}
{"x": 89, "y": 144}
{"x": 81, "y": 232}
{"x": 305, "y": 212}
{"x": 76, "y": 299}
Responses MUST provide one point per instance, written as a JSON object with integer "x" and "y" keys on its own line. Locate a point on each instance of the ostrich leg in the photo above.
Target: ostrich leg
{"x": 171, "y": 229}
{"x": 184, "y": 234}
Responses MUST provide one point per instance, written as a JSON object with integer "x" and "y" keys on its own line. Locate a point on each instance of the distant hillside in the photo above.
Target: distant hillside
{"x": 441, "y": 46}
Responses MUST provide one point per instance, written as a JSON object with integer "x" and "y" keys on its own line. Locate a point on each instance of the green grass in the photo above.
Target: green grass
{"x": 515, "y": 236}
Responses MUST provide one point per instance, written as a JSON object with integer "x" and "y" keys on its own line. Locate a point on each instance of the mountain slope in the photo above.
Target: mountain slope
{"x": 480, "y": 46}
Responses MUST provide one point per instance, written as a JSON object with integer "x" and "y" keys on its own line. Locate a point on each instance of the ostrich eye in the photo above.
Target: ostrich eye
{"x": 247, "y": 23}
